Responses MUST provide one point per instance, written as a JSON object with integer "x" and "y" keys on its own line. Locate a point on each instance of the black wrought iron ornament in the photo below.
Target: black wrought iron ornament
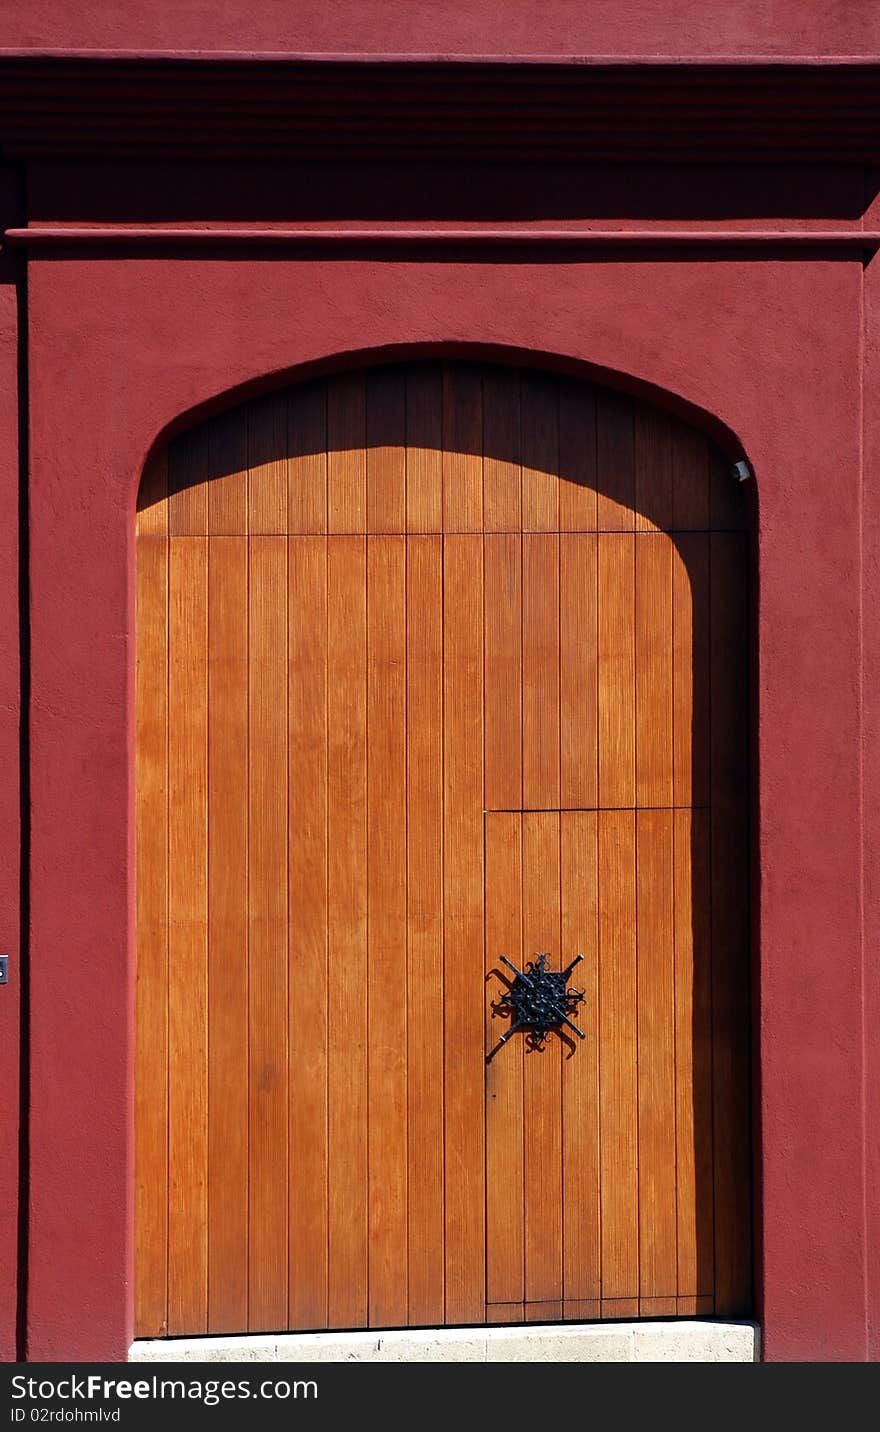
{"x": 539, "y": 1000}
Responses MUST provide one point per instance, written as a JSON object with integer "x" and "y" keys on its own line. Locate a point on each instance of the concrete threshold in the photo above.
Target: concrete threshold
{"x": 699, "y": 1340}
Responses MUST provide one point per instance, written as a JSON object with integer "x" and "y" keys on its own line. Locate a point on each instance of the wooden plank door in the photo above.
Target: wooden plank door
{"x": 436, "y": 664}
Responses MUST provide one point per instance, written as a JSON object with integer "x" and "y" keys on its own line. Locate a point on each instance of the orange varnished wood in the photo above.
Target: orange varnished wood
{"x": 615, "y": 462}
{"x": 268, "y": 932}
{"x": 540, "y": 671}
{"x": 386, "y": 451}
{"x": 307, "y": 459}
{"x": 616, "y": 678}
{"x": 653, "y": 667}
{"x": 438, "y": 662}
{"x": 346, "y": 454}
{"x": 578, "y": 671}
{"x": 347, "y": 930}
{"x": 228, "y": 488}
{"x": 309, "y": 972}
{"x": 618, "y": 1054}
{"x": 505, "y": 1206}
{"x": 502, "y": 459}
{"x": 693, "y": 1054}
{"x": 578, "y": 498}
{"x": 151, "y": 913}
{"x": 542, "y": 1068}
{"x": 424, "y": 931}
{"x": 581, "y": 1194}
{"x": 656, "y": 1055}
{"x": 188, "y": 936}
{"x": 462, "y": 449}
{"x": 539, "y": 425}
{"x": 463, "y": 958}
{"x": 228, "y": 1035}
{"x": 503, "y": 617}
{"x": 690, "y": 479}
{"x": 386, "y": 926}
{"x": 504, "y": 1312}
{"x": 424, "y": 449}
{"x": 267, "y": 449}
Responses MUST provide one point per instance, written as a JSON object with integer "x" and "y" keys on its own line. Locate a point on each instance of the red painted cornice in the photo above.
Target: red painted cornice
{"x": 369, "y": 107}
{"x": 845, "y": 240}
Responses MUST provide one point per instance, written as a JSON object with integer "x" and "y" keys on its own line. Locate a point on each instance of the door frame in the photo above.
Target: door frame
{"x": 151, "y": 345}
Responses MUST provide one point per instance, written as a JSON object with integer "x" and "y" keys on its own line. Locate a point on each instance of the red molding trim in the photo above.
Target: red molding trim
{"x": 38, "y": 236}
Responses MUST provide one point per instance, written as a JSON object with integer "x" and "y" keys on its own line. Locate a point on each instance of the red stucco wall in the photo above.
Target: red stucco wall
{"x": 773, "y": 349}
{"x": 690, "y": 28}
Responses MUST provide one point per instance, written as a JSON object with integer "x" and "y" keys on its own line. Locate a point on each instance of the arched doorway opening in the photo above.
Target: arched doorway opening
{"x": 439, "y": 662}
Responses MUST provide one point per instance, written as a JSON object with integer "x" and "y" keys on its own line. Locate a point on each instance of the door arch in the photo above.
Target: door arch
{"x": 438, "y": 662}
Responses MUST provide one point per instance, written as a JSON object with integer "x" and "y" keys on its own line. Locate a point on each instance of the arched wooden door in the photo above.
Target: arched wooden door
{"x": 437, "y": 664}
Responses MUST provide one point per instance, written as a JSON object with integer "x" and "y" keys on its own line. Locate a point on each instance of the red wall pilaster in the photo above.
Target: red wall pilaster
{"x": 10, "y": 832}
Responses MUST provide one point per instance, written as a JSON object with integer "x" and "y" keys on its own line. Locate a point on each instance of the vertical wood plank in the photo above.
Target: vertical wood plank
{"x": 654, "y": 667}
{"x": 188, "y": 936}
{"x": 307, "y": 458}
{"x": 539, "y": 406}
{"x": 730, "y": 923}
{"x": 228, "y": 474}
{"x": 653, "y": 469}
{"x": 267, "y": 464}
{"x": 347, "y": 929}
{"x": 462, "y": 448}
{"x": 693, "y": 1056}
{"x": 151, "y": 1025}
{"x": 578, "y": 507}
{"x": 578, "y": 669}
{"x": 615, "y": 462}
{"x": 424, "y": 837}
{"x": 690, "y": 669}
{"x": 386, "y": 926}
{"x": 463, "y": 927}
{"x": 618, "y": 1111}
{"x": 616, "y": 618}
{"x": 540, "y": 671}
{"x": 546, "y": 1312}
{"x": 227, "y": 934}
{"x": 346, "y": 456}
{"x": 424, "y": 449}
{"x": 504, "y": 1074}
{"x": 309, "y": 987}
{"x": 542, "y": 1079}
{"x": 656, "y": 1054}
{"x": 188, "y": 469}
{"x": 690, "y": 479}
{"x": 502, "y": 471}
{"x": 386, "y": 451}
{"x": 580, "y": 1071}
{"x": 503, "y": 665}
{"x": 152, "y": 503}
{"x": 267, "y": 916}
